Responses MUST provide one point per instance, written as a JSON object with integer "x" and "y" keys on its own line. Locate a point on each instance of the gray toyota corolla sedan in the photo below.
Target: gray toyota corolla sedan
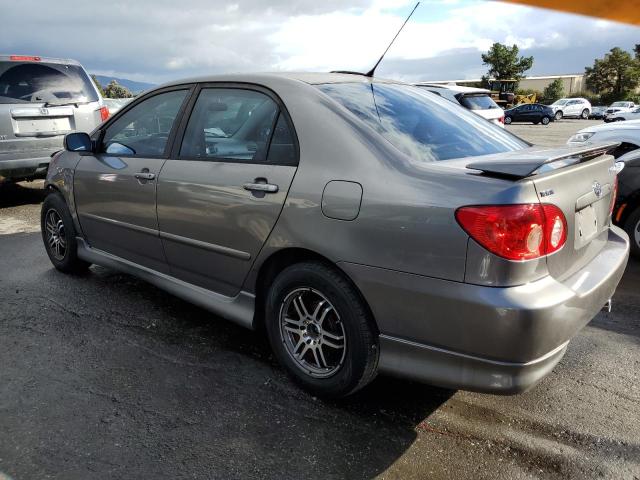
{"x": 363, "y": 225}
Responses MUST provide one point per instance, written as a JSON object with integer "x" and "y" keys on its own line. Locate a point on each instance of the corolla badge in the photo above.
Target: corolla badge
{"x": 597, "y": 189}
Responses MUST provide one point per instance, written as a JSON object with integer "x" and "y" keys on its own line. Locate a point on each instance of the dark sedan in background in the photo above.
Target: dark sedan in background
{"x": 529, "y": 112}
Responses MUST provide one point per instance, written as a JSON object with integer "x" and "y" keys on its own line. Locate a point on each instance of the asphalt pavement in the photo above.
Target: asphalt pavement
{"x": 104, "y": 376}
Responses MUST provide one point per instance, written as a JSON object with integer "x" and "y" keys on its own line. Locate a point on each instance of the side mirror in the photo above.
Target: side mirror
{"x": 78, "y": 142}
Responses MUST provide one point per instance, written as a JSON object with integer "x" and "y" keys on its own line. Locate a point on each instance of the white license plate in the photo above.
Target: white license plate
{"x": 586, "y": 225}
{"x": 37, "y": 125}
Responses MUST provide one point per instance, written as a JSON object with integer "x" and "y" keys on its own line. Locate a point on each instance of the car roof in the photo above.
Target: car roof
{"x": 267, "y": 78}
{"x": 453, "y": 87}
{"x": 626, "y": 125}
{"x": 65, "y": 61}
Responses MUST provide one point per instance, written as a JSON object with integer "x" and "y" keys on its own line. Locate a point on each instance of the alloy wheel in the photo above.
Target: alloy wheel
{"x": 312, "y": 332}
{"x": 636, "y": 233}
{"x": 55, "y": 234}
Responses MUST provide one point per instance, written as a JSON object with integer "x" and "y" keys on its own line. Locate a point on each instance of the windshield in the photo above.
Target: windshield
{"x": 420, "y": 124}
{"x": 478, "y": 102}
{"x": 619, "y": 104}
{"x": 50, "y": 83}
{"x": 562, "y": 101}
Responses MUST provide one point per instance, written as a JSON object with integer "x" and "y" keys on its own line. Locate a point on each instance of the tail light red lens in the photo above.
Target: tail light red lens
{"x": 614, "y": 195}
{"x": 24, "y": 58}
{"x": 104, "y": 113}
{"x": 501, "y": 119}
{"x": 515, "y": 232}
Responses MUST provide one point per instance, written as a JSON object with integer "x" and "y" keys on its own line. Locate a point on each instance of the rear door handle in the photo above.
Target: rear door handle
{"x": 145, "y": 176}
{"x": 261, "y": 187}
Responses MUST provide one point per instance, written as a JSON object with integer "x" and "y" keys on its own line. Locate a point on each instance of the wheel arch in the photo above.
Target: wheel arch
{"x": 283, "y": 258}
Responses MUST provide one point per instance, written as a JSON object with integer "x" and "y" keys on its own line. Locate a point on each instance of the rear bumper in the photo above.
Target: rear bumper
{"x": 489, "y": 339}
{"x": 24, "y": 167}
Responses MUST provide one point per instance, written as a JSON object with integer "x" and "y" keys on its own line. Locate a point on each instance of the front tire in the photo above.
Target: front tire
{"x": 559, "y": 115}
{"x": 585, "y": 114}
{"x": 545, "y": 120}
{"x": 507, "y": 120}
{"x": 632, "y": 227}
{"x": 321, "y": 331}
{"x": 59, "y": 235}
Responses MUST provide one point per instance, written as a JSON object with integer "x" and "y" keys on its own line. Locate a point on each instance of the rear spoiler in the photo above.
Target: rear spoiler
{"x": 516, "y": 166}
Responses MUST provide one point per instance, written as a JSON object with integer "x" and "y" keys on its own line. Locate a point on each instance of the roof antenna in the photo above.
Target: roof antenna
{"x": 372, "y": 71}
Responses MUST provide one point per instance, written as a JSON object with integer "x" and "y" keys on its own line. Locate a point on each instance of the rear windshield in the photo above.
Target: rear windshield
{"x": 39, "y": 82}
{"x": 420, "y": 124}
{"x": 478, "y": 102}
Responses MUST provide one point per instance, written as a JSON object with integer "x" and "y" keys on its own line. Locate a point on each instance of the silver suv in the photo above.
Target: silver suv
{"x": 41, "y": 100}
{"x": 364, "y": 225}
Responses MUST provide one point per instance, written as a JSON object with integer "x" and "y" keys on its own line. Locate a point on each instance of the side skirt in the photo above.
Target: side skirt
{"x": 238, "y": 309}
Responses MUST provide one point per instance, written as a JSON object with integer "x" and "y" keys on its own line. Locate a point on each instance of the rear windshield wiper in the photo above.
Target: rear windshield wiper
{"x": 64, "y": 104}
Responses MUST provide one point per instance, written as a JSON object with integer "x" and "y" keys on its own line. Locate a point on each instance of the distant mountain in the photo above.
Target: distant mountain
{"x": 134, "y": 87}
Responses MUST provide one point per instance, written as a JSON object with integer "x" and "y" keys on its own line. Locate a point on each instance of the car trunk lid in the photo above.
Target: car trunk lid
{"x": 42, "y": 121}
{"x": 580, "y": 181}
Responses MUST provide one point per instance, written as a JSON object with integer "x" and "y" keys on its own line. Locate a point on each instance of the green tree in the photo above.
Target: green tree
{"x": 615, "y": 76}
{"x": 115, "y": 90}
{"x": 636, "y": 50}
{"x": 505, "y": 63}
{"x": 97, "y": 84}
{"x": 553, "y": 91}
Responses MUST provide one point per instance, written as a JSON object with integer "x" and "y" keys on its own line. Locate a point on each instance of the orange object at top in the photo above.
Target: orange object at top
{"x": 626, "y": 11}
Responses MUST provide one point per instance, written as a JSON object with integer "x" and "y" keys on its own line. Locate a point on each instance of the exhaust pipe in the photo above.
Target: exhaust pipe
{"x": 607, "y": 306}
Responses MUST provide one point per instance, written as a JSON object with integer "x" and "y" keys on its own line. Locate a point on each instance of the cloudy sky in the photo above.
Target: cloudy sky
{"x": 159, "y": 40}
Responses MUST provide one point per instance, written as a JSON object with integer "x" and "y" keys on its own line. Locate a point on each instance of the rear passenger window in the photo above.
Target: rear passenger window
{"x": 233, "y": 124}
{"x": 282, "y": 150}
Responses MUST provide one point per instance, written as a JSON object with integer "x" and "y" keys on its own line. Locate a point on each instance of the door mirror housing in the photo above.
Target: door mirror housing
{"x": 78, "y": 142}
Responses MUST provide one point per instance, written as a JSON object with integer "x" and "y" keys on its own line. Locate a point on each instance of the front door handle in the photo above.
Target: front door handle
{"x": 145, "y": 176}
{"x": 261, "y": 187}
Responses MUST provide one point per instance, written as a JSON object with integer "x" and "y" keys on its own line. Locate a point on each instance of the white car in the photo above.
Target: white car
{"x": 571, "y": 107}
{"x": 627, "y": 133}
{"x": 478, "y": 100}
{"x": 625, "y": 114}
{"x": 621, "y": 111}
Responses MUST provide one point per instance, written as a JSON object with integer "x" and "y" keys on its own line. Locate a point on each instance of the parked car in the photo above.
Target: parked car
{"x": 618, "y": 107}
{"x": 41, "y": 100}
{"x": 627, "y": 134}
{"x": 597, "y": 113}
{"x": 478, "y": 100}
{"x": 364, "y": 225}
{"x": 529, "y": 112}
{"x": 571, "y": 107}
{"x": 115, "y": 104}
{"x": 621, "y": 116}
{"x": 626, "y": 213}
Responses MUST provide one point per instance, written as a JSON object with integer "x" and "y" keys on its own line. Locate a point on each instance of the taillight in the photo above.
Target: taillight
{"x": 501, "y": 119}
{"x": 614, "y": 195}
{"x": 104, "y": 113}
{"x": 515, "y": 232}
{"x": 24, "y": 58}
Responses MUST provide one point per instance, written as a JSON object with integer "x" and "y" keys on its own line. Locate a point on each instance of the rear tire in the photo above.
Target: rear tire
{"x": 59, "y": 235}
{"x": 632, "y": 227}
{"x": 321, "y": 331}
{"x": 545, "y": 120}
{"x": 559, "y": 115}
{"x": 585, "y": 114}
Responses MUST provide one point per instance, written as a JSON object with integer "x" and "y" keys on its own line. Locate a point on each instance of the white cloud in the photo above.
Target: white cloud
{"x": 157, "y": 40}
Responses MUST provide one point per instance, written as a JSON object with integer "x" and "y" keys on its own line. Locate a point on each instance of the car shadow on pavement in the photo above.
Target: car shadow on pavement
{"x": 145, "y": 384}
{"x": 16, "y": 194}
{"x": 624, "y": 317}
